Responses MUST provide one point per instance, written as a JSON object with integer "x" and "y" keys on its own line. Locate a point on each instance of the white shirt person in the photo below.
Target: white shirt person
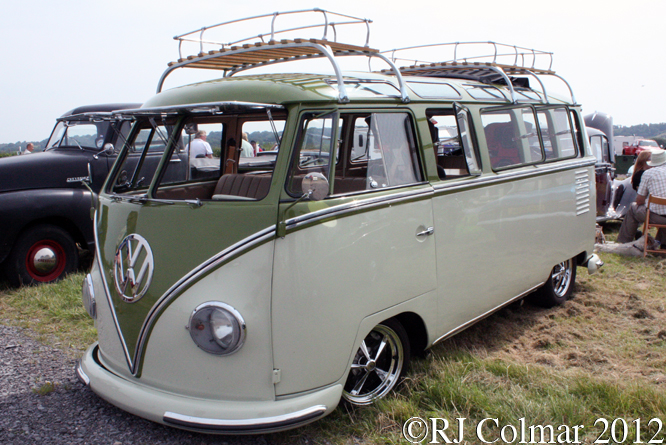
{"x": 199, "y": 148}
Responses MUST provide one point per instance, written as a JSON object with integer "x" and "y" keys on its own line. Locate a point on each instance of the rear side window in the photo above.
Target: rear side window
{"x": 526, "y": 135}
{"x": 512, "y": 138}
{"x": 558, "y": 139}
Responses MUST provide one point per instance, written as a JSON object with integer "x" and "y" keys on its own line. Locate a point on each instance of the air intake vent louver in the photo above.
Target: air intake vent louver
{"x": 582, "y": 192}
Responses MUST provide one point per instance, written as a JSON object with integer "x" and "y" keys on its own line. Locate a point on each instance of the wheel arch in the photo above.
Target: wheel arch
{"x": 416, "y": 331}
{"x": 59, "y": 221}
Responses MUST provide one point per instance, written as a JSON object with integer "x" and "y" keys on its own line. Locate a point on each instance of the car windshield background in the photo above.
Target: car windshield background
{"x": 82, "y": 134}
{"x": 144, "y": 152}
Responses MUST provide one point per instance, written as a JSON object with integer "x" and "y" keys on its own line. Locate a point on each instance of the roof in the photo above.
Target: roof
{"x": 99, "y": 108}
{"x": 505, "y": 65}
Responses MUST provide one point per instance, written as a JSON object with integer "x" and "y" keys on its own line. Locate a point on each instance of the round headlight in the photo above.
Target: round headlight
{"x": 217, "y": 328}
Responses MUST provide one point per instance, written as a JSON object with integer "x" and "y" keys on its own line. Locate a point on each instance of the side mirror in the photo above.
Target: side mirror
{"x": 315, "y": 186}
{"x": 109, "y": 149}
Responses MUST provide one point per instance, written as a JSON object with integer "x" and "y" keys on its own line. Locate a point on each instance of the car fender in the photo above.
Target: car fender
{"x": 68, "y": 208}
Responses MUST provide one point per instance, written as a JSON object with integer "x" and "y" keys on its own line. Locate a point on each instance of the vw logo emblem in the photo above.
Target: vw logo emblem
{"x": 133, "y": 268}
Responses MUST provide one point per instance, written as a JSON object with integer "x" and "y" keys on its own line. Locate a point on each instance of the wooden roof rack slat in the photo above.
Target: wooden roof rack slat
{"x": 244, "y": 54}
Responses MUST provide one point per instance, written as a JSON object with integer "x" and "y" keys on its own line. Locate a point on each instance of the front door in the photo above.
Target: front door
{"x": 364, "y": 248}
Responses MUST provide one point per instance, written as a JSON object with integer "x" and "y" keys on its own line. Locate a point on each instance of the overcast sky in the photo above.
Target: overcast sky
{"x": 57, "y": 55}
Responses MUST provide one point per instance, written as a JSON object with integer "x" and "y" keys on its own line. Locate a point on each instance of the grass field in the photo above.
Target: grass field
{"x": 602, "y": 355}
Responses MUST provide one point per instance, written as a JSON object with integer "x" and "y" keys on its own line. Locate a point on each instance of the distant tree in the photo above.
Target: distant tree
{"x": 646, "y": 130}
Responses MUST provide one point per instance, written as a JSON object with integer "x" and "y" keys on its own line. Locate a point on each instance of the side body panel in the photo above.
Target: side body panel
{"x": 331, "y": 275}
{"x": 495, "y": 241}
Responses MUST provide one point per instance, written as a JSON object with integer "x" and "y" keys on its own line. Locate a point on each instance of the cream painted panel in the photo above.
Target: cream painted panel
{"x": 497, "y": 241}
{"x": 330, "y": 276}
{"x": 174, "y": 363}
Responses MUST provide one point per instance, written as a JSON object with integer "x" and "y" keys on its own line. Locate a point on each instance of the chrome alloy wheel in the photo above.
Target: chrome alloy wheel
{"x": 561, "y": 278}
{"x": 376, "y": 367}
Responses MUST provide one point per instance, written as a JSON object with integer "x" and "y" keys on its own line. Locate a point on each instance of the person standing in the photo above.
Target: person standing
{"x": 246, "y": 148}
{"x": 198, "y": 147}
{"x": 29, "y": 148}
{"x": 653, "y": 182}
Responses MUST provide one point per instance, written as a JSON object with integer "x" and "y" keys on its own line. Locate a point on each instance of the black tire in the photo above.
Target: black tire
{"x": 558, "y": 287}
{"x": 377, "y": 369}
{"x": 42, "y": 254}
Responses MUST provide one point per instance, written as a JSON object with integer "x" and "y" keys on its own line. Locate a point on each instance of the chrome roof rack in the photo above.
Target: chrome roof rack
{"x": 266, "y": 49}
{"x": 500, "y": 64}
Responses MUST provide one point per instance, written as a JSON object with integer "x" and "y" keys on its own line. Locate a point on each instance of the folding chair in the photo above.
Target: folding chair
{"x": 646, "y": 226}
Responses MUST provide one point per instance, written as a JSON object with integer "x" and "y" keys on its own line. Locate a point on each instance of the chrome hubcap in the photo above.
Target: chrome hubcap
{"x": 561, "y": 278}
{"x": 376, "y": 367}
{"x": 45, "y": 261}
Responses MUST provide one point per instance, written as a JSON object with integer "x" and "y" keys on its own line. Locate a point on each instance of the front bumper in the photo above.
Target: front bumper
{"x": 204, "y": 415}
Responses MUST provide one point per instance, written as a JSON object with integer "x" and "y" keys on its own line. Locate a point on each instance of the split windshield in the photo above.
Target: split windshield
{"x": 186, "y": 154}
{"x": 84, "y": 134}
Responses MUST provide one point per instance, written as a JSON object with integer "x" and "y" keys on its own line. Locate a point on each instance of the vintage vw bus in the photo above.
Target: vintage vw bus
{"x": 252, "y": 294}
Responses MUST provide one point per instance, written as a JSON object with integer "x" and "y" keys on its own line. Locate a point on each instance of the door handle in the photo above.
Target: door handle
{"x": 427, "y": 232}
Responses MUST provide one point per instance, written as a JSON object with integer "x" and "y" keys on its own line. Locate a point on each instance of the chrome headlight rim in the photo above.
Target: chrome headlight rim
{"x": 230, "y": 310}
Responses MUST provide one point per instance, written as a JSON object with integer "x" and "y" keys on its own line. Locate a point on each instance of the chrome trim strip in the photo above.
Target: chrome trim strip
{"x": 366, "y": 204}
{"x": 464, "y": 326}
{"x": 80, "y": 374}
{"x": 98, "y": 255}
{"x": 511, "y": 175}
{"x": 245, "y": 425}
{"x": 181, "y": 285}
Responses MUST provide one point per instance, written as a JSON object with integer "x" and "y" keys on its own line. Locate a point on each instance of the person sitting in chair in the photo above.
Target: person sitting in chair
{"x": 653, "y": 183}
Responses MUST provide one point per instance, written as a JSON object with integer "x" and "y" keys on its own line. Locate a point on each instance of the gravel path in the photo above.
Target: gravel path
{"x": 72, "y": 413}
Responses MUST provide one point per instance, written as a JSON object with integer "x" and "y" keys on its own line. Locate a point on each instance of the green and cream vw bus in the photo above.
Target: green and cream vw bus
{"x": 251, "y": 291}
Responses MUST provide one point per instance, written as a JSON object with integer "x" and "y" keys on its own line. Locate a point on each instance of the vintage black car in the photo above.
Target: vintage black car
{"x": 45, "y": 219}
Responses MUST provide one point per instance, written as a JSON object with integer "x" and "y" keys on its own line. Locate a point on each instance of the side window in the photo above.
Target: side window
{"x": 374, "y": 151}
{"x": 392, "y": 155}
{"x": 596, "y": 146}
{"x": 606, "y": 149}
{"x": 512, "y": 137}
{"x": 317, "y": 140}
{"x": 263, "y": 136}
{"x": 558, "y": 139}
{"x": 578, "y": 133}
{"x": 200, "y": 149}
{"x": 377, "y": 151}
{"x": 453, "y": 143}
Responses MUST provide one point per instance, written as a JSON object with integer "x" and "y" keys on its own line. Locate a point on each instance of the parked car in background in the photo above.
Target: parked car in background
{"x": 638, "y": 146}
{"x": 599, "y": 128}
{"x": 44, "y": 207}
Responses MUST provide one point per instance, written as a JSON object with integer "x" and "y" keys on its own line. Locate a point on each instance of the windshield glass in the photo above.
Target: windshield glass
{"x": 144, "y": 153}
{"x": 649, "y": 144}
{"x": 82, "y": 134}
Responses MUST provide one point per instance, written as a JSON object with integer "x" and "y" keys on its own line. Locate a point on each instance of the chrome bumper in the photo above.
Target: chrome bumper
{"x": 222, "y": 417}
